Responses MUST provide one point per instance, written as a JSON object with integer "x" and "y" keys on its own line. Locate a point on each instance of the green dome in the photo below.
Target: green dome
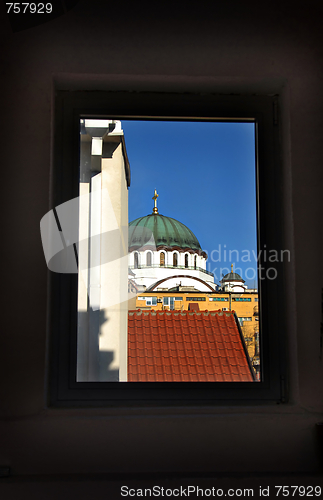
{"x": 168, "y": 233}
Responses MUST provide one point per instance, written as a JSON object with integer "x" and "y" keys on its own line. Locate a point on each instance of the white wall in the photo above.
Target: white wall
{"x": 222, "y": 47}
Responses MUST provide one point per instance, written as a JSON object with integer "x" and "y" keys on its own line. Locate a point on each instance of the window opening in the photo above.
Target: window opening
{"x": 169, "y": 303}
{"x": 105, "y": 147}
{"x": 149, "y": 259}
{"x": 150, "y": 301}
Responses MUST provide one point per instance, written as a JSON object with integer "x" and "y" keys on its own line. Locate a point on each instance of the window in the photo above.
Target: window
{"x": 136, "y": 258}
{"x": 241, "y": 299}
{"x": 196, "y": 299}
{"x": 219, "y": 299}
{"x": 241, "y": 320}
{"x": 169, "y": 302}
{"x": 151, "y": 301}
{"x": 148, "y": 259}
{"x": 195, "y": 259}
{"x": 175, "y": 259}
{"x": 70, "y": 106}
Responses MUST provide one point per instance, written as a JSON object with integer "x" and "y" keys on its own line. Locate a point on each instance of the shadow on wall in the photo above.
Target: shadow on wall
{"x": 93, "y": 364}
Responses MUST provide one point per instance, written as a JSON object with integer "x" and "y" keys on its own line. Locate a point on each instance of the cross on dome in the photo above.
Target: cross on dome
{"x": 155, "y": 210}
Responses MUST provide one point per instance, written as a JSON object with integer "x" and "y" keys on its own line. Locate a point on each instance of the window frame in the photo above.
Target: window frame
{"x": 69, "y": 106}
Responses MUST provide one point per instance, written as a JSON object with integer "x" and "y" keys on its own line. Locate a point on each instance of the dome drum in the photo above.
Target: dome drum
{"x": 151, "y": 247}
{"x": 140, "y": 259}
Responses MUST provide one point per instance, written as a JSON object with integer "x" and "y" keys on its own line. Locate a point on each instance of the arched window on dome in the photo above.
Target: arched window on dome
{"x": 175, "y": 259}
{"x": 148, "y": 259}
{"x": 186, "y": 260}
{"x": 162, "y": 258}
{"x": 195, "y": 261}
{"x": 136, "y": 257}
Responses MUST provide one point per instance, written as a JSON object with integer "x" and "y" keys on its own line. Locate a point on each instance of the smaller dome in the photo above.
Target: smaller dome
{"x": 231, "y": 277}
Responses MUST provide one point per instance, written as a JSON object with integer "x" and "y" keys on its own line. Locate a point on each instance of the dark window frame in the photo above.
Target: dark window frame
{"x": 64, "y": 391}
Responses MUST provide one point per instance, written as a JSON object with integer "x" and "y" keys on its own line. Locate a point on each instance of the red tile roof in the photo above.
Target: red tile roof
{"x": 180, "y": 346}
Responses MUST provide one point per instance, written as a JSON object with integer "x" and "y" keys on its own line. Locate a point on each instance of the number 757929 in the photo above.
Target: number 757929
{"x": 33, "y": 8}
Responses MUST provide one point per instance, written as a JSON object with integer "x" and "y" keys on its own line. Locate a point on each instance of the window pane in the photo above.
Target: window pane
{"x": 216, "y": 250}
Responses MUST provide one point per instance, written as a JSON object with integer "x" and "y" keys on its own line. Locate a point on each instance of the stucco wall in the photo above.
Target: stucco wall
{"x": 223, "y": 47}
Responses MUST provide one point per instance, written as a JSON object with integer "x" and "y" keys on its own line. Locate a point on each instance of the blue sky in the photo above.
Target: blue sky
{"x": 204, "y": 173}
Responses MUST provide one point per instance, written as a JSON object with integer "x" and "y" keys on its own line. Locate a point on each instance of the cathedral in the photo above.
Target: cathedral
{"x": 164, "y": 253}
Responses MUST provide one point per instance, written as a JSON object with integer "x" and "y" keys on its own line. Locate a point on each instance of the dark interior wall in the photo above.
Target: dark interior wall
{"x": 215, "y": 46}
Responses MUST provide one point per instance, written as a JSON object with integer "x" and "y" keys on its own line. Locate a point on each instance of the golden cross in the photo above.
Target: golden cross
{"x": 155, "y": 211}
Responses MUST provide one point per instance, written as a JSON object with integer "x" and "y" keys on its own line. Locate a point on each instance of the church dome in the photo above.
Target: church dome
{"x": 232, "y": 276}
{"x": 162, "y": 249}
{"x": 168, "y": 233}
